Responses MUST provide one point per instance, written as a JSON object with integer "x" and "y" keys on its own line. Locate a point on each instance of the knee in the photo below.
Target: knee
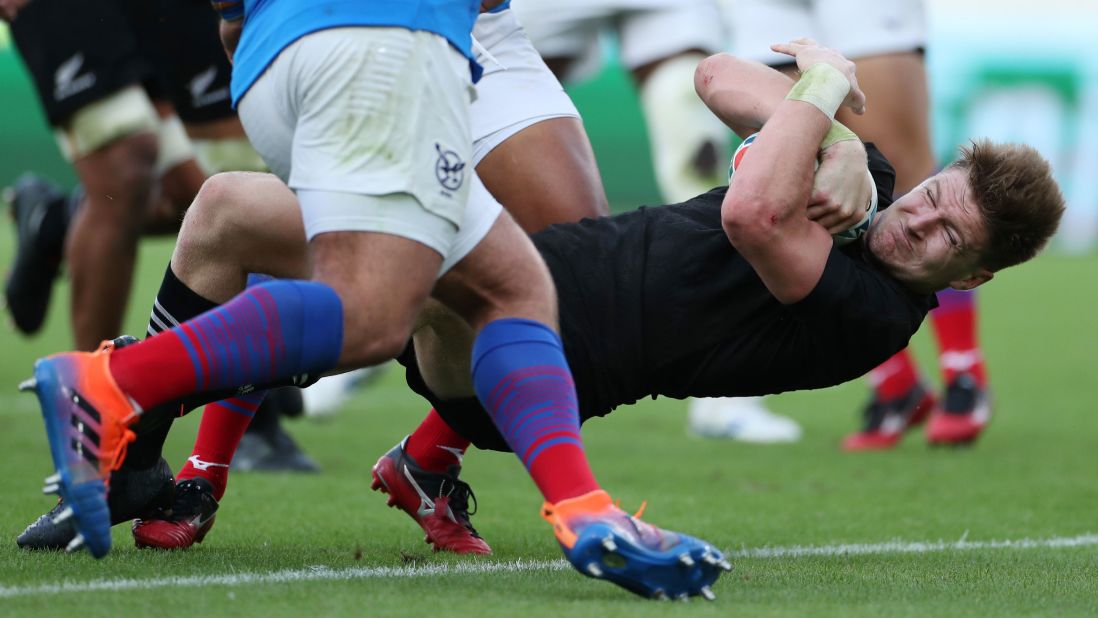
{"x": 123, "y": 172}
{"x": 211, "y": 221}
{"x": 134, "y": 163}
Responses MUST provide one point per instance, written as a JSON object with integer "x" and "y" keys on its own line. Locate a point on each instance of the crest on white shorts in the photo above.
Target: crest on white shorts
{"x": 449, "y": 169}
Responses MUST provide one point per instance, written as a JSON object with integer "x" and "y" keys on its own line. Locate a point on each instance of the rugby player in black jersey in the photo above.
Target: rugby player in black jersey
{"x": 739, "y": 291}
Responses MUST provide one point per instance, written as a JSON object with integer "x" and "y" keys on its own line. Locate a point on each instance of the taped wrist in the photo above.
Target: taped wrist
{"x": 823, "y": 86}
{"x": 837, "y": 133}
{"x": 229, "y": 10}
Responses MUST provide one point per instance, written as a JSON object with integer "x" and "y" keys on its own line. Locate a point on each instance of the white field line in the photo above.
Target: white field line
{"x": 912, "y": 547}
{"x": 323, "y": 573}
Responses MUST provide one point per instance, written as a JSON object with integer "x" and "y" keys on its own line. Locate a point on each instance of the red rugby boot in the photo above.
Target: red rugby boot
{"x": 191, "y": 516}
{"x": 439, "y": 502}
{"x": 886, "y": 421}
{"x": 965, "y": 411}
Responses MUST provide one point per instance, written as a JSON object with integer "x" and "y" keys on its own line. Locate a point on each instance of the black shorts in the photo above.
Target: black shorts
{"x": 196, "y": 71}
{"x": 81, "y": 51}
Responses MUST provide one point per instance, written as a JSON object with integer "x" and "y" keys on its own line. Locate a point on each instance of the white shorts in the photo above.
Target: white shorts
{"x": 327, "y": 208}
{"x": 517, "y": 89}
{"x": 371, "y": 127}
{"x": 648, "y": 30}
{"x": 856, "y": 28}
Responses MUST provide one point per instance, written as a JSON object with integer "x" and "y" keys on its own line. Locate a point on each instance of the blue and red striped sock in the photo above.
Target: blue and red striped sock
{"x": 522, "y": 378}
{"x": 269, "y": 332}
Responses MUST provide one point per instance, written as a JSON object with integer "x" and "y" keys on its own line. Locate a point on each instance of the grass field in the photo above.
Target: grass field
{"x": 326, "y": 545}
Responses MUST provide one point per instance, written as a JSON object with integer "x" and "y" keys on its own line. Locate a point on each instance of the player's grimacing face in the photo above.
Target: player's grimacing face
{"x": 931, "y": 238}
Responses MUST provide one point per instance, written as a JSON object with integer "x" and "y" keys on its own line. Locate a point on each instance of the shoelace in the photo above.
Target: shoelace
{"x": 188, "y": 500}
{"x": 640, "y": 510}
{"x": 460, "y": 495}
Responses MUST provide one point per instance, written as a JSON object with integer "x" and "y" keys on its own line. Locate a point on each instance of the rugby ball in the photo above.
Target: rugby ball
{"x": 846, "y": 236}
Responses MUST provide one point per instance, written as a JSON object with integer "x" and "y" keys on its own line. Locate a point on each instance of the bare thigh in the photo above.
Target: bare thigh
{"x": 897, "y": 120}
{"x": 383, "y": 281}
{"x": 546, "y": 174}
{"x": 504, "y": 277}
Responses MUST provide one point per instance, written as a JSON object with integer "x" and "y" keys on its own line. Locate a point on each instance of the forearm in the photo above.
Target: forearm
{"x": 742, "y": 93}
{"x": 775, "y": 186}
{"x": 777, "y": 183}
{"x": 765, "y": 210}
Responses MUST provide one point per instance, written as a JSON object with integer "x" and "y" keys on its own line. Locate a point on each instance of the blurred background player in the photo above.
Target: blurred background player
{"x": 886, "y": 38}
{"x": 660, "y": 42}
{"x": 138, "y": 95}
{"x": 117, "y": 107}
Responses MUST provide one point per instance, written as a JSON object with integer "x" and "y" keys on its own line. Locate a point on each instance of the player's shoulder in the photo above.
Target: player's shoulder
{"x": 853, "y": 286}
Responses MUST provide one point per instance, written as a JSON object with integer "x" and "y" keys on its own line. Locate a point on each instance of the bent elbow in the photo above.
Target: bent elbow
{"x": 707, "y": 73}
{"x": 748, "y": 221}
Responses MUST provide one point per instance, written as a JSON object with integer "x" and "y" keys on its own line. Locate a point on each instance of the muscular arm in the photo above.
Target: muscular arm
{"x": 744, "y": 94}
{"x": 764, "y": 212}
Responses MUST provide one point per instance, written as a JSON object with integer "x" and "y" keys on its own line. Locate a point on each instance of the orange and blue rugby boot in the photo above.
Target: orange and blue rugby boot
{"x": 604, "y": 542}
{"x": 87, "y": 420}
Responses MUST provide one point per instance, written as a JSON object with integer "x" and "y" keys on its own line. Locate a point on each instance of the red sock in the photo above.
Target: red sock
{"x": 223, "y": 425}
{"x": 955, "y": 329}
{"x": 561, "y": 471}
{"x": 163, "y": 356}
{"x": 893, "y": 378}
{"x": 434, "y": 445}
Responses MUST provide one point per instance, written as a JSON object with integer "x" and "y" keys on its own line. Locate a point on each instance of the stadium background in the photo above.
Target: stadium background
{"x": 1025, "y": 72}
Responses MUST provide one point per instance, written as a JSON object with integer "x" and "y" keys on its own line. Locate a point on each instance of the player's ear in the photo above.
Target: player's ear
{"x": 978, "y": 278}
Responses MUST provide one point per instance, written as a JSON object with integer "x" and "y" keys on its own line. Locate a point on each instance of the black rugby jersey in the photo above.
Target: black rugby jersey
{"x": 658, "y": 302}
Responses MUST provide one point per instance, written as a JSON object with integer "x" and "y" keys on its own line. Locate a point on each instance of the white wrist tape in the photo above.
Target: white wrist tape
{"x": 837, "y": 133}
{"x": 823, "y": 86}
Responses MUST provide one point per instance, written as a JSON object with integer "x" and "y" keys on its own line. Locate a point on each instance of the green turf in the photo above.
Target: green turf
{"x": 1032, "y": 476}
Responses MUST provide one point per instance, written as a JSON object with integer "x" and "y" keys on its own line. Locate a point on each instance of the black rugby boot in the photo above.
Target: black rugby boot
{"x": 133, "y": 494}
{"x": 40, "y": 212}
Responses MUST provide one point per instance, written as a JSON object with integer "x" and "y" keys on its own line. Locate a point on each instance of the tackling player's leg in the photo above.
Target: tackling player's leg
{"x": 533, "y": 155}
